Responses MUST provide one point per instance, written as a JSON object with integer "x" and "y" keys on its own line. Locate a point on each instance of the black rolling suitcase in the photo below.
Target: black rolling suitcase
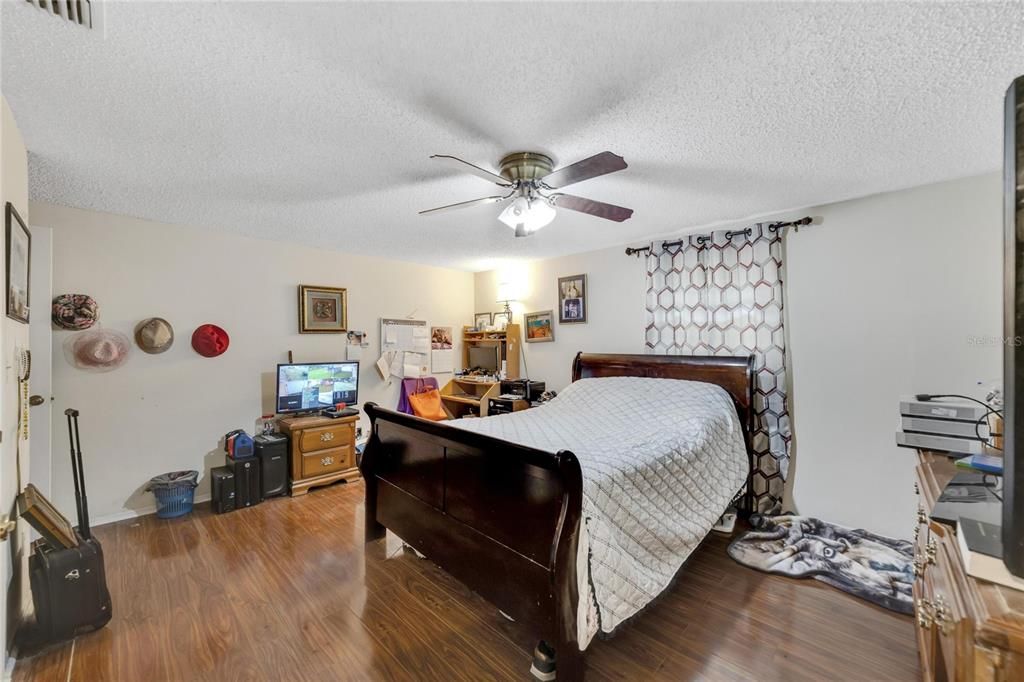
{"x": 69, "y": 585}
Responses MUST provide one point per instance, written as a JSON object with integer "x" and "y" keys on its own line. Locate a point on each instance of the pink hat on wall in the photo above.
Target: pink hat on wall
{"x": 98, "y": 350}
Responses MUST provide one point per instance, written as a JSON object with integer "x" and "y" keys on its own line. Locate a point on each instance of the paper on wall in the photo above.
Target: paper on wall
{"x": 415, "y": 364}
{"x": 383, "y": 366}
{"x": 442, "y": 361}
{"x": 395, "y": 366}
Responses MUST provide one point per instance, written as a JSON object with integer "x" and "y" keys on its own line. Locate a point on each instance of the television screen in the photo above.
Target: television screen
{"x": 484, "y": 357}
{"x": 315, "y": 386}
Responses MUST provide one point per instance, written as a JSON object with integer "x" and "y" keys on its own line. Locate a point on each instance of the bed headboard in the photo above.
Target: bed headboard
{"x": 733, "y": 373}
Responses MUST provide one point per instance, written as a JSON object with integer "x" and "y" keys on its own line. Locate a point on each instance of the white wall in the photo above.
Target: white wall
{"x": 615, "y": 320}
{"x": 13, "y": 338}
{"x": 164, "y": 412}
{"x": 881, "y": 298}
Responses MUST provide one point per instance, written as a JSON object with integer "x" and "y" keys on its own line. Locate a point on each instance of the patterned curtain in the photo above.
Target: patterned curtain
{"x": 722, "y": 295}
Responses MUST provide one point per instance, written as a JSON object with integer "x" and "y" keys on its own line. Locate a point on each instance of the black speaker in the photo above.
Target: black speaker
{"x": 222, "y": 489}
{"x": 272, "y": 451}
{"x": 247, "y": 481}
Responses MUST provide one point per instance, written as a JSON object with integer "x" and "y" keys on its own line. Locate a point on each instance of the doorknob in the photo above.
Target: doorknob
{"x": 6, "y": 527}
{"x": 36, "y": 400}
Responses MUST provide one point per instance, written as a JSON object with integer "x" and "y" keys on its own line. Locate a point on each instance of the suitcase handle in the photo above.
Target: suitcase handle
{"x": 78, "y": 473}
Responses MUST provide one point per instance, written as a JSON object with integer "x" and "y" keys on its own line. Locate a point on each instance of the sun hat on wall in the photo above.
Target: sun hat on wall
{"x": 98, "y": 350}
{"x": 75, "y": 311}
{"x": 209, "y": 340}
{"x": 154, "y": 335}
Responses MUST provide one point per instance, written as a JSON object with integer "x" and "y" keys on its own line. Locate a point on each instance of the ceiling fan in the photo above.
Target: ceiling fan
{"x": 531, "y": 185}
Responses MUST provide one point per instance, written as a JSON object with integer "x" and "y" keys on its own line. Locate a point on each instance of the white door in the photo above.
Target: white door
{"x": 41, "y": 345}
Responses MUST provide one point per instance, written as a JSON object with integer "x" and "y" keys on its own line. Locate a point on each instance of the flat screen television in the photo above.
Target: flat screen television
{"x": 1013, "y": 329}
{"x": 487, "y": 357}
{"x": 317, "y": 385}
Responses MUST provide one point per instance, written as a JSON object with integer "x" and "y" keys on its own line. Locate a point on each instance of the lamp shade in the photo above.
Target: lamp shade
{"x": 507, "y": 292}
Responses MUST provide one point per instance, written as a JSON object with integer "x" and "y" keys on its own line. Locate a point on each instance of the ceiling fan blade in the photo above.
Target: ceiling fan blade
{"x": 591, "y": 207}
{"x": 598, "y": 164}
{"x": 464, "y": 204}
{"x": 467, "y": 167}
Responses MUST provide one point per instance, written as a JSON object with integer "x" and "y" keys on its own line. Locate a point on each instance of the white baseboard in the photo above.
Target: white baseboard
{"x": 134, "y": 513}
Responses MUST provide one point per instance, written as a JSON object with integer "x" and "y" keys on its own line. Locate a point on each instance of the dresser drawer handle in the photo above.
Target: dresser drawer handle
{"x": 326, "y": 436}
{"x": 931, "y": 613}
{"x": 921, "y": 516}
{"x": 931, "y": 551}
{"x": 917, "y": 488}
{"x": 326, "y": 461}
{"x": 919, "y": 566}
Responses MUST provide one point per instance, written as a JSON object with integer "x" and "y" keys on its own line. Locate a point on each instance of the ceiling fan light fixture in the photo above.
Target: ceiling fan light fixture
{"x": 526, "y": 216}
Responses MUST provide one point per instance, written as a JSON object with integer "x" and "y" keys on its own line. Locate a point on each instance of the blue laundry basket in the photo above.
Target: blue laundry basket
{"x": 174, "y": 492}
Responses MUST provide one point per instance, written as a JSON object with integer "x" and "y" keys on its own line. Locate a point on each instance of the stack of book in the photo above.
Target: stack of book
{"x": 981, "y": 548}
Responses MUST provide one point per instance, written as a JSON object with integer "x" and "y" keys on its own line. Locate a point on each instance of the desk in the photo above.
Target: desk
{"x": 462, "y": 396}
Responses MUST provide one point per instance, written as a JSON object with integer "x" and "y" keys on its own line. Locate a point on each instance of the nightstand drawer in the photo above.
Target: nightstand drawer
{"x": 325, "y": 437}
{"x": 326, "y": 461}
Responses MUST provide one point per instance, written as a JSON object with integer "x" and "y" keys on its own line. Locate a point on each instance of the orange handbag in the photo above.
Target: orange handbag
{"x": 426, "y": 403}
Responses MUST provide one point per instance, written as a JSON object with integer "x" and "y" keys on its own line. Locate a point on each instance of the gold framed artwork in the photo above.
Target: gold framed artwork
{"x": 322, "y": 310}
{"x": 19, "y": 248}
{"x": 540, "y": 326}
{"x": 572, "y": 299}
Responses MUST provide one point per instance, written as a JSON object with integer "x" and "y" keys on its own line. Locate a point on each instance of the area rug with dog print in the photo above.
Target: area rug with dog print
{"x": 870, "y": 566}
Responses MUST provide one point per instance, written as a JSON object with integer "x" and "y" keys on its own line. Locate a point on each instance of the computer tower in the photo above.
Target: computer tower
{"x": 222, "y": 489}
{"x": 272, "y": 452}
{"x": 247, "y": 481}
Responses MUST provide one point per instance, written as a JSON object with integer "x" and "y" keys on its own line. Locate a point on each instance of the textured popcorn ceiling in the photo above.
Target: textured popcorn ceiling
{"x": 313, "y": 122}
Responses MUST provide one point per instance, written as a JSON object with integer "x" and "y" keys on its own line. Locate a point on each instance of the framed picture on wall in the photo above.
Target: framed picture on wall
{"x": 19, "y": 250}
{"x": 572, "y": 299}
{"x": 482, "y": 320}
{"x": 322, "y": 310}
{"x": 540, "y": 326}
{"x": 501, "y": 320}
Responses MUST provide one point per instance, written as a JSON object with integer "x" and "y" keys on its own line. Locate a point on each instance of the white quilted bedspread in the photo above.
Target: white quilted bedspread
{"x": 661, "y": 460}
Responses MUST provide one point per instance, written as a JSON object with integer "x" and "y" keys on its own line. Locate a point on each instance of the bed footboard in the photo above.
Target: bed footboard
{"x": 500, "y": 517}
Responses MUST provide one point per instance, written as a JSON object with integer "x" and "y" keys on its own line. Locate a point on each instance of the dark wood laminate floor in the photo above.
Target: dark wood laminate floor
{"x": 285, "y": 591}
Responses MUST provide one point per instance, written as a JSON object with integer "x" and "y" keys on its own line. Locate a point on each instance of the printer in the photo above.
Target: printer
{"x": 524, "y": 388}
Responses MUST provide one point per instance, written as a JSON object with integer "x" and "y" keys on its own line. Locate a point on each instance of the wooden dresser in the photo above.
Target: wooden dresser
{"x": 967, "y": 629}
{"x": 321, "y": 450}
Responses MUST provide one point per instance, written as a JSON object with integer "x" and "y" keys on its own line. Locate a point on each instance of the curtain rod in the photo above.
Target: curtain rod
{"x": 701, "y": 238}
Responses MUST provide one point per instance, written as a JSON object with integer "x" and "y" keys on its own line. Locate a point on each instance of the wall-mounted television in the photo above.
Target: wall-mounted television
{"x": 317, "y": 385}
{"x": 1013, "y": 329}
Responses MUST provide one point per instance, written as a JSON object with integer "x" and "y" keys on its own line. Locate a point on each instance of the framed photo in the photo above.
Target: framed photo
{"x": 572, "y": 299}
{"x": 19, "y": 249}
{"x": 500, "y": 320}
{"x": 440, "y": 338}
{"x": 482, "y": 320}
{"x": 540, "y": 326}
{"x": 322, "y": 310}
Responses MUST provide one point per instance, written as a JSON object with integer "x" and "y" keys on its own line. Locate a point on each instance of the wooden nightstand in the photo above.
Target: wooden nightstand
{"x": 321, "y": 450}
{"x": 967, "y": 629}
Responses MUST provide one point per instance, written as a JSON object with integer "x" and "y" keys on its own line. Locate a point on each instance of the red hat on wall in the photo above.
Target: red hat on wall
{"x": 209, "y": 340}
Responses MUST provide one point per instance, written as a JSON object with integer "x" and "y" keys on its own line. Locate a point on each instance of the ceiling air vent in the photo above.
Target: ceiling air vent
{"x": 76, "y": 11}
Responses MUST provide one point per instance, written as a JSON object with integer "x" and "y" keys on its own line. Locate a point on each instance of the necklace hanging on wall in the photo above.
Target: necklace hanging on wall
{"x": 24, "y": 372}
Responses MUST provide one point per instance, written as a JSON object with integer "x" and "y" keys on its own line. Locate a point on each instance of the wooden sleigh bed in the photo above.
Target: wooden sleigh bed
{"x": 504, "y": 518}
